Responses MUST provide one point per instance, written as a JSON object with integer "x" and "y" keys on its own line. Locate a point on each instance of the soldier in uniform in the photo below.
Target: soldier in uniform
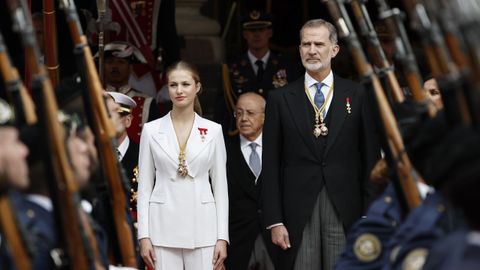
{"x": 127, "y": 150}
{"x": 13, "y": 173}
{"x": 150, "y": 26}
{"x": 259, "y": 69}
{"x": 119, "y": 57}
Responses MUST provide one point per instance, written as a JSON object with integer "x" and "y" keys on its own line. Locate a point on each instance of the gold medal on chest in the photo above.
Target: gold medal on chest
{"x": 320, "y": 127}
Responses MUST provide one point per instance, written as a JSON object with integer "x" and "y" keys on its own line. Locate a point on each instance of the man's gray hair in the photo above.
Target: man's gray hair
{"x": 320, "y": 22}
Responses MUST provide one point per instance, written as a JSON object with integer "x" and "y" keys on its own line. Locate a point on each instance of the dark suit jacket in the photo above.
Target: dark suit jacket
{"x": 130, "y": 159}
{"x": 296, "y": 166}
{"x": 244, "y": 218}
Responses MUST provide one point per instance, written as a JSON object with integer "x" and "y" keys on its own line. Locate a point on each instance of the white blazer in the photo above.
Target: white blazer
{"x": 175, "y": 211}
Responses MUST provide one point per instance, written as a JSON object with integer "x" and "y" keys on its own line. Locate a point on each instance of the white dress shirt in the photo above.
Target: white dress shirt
{"x": 254, "y": 59}
{"x": 122, "y": 148}
{"x": 328, "y": 82}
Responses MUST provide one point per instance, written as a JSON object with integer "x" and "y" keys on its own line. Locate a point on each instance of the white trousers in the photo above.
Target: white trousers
{"x": 184, "y": 259}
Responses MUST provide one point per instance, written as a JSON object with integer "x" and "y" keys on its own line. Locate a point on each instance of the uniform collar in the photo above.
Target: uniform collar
{"x": 122, "y": 148}
{"x": 310, "y": 81}
{"x": 41, "y": 200}
{"x": 122, "y": 89}
{"x": 253, "y": 59}
{"x": 244, "y": 142}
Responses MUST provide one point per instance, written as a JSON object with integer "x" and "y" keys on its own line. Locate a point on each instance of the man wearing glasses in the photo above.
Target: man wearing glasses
{"x": 247, "y": 249}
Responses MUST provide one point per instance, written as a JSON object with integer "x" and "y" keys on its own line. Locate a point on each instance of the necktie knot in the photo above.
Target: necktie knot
{"x": 253, "y": 145}
{"x": 319, "y": 98}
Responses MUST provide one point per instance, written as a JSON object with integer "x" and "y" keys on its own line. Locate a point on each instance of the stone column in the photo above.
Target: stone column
{"x": 201, "y": 34}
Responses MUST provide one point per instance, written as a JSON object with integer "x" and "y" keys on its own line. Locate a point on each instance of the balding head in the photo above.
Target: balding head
{"x": 250, "y": 115}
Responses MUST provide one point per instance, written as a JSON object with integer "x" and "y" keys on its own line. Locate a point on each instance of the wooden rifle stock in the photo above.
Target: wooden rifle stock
{"x": 13, "y": 235}
{"x": 229, "y": 98}
{"x": 105, "y": 133}
{"x": 50, "y": 41}
{"x": 406, "y": 173}
{"x": 64, "y": 187}
{"x": 25, "y": 109}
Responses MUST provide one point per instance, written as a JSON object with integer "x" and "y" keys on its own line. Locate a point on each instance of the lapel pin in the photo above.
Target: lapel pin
{"x": 347, "y": 103}
{"x": 203, "y": 133}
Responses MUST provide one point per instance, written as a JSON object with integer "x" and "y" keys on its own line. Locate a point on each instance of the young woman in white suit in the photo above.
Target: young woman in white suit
{"x": 182, "y": 189}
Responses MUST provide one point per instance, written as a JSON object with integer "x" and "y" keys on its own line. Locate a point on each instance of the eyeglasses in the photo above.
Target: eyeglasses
{"x": 247, "y": 113}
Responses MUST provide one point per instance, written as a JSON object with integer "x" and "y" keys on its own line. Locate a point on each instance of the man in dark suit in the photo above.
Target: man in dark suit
{"x": 248, "y": 239}
{"x": 319, "y": 146}
{"x": 127, "y": 149}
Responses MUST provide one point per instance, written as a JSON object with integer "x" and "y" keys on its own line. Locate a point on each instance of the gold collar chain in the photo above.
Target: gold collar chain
{"x": 320, "y": 128}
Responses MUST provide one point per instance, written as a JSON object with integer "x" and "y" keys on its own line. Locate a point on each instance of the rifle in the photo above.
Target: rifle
{"x": 440, "y": 62}
{"x": 403, "y": 52}
{"x": 13, "y": 235}
{"x": 229, "y": 97}
{"x": 102, "y": 9}
{"x": 466, "y": 13}
{"x": 50, "y": 40}
{"x": 105, "y": 134}
{"x": 406, "y": 173}
{"x": 73, "y": 223}
{"x": 368, "y": 31}
{"x": 455, "y": 42}
{"x": 23, "y": 104}
{"x": 380, "y": 60}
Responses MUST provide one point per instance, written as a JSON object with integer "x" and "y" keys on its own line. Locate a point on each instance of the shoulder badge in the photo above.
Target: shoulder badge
{"x": 367, "y": 247}
{"x": 415, "y": 259}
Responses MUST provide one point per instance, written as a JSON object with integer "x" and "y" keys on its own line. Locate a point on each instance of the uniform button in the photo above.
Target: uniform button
{"x": 30, "y": 213}
{"x": 260, "y": 91}
{"x": 388, "y": 199}
{"x": 239, "y": 90}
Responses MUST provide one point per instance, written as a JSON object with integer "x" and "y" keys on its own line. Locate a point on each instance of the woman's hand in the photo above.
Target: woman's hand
{"x": 219, "y": 254}
{"x": 147, "y": 252}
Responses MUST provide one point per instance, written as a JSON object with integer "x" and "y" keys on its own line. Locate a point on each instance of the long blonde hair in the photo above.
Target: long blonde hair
{"x": 184, "y": 65}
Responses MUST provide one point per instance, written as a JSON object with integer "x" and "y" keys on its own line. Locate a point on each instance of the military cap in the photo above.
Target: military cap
{"x": 122, "y": 49}
{"x": 256, "y": 19}
{"x": 126, "y": 103}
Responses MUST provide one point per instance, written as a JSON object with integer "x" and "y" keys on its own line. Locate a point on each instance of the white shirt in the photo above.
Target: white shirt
{"x": 247, "y": 149}
{"x": 254, "y": 59}
{"x": 328, "y": 82}
{"x": 122, "y": 148}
